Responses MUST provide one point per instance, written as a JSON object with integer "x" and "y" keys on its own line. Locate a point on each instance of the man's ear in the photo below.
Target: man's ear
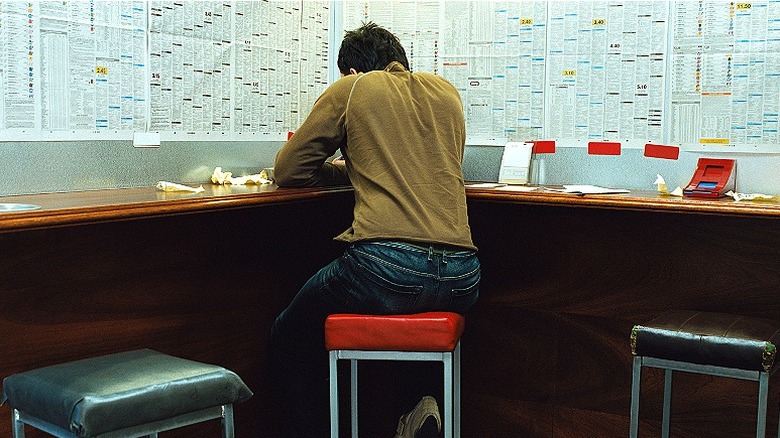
{"x": 352, "y": 71}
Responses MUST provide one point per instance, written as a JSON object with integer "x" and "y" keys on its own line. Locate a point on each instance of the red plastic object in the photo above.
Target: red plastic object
{"x": 431, "y": 331}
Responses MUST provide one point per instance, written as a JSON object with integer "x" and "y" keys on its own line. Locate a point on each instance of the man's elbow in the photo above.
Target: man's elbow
{"x": 291, "y": 179}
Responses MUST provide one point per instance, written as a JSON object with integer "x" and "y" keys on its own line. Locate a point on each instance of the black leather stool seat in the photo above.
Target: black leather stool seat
{"x": 717, "y": 339}
{"x": 93, "y": 396}
{"x": 716, "y": 344}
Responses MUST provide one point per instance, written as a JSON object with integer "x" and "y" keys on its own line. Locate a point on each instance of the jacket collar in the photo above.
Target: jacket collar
{"x": 395, "y": 66}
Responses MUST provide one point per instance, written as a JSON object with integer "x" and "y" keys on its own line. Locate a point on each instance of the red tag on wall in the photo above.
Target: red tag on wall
{"x": 662, "y": 151}
{"x": 603, "y": 148}
{"x": 544, "y": 147}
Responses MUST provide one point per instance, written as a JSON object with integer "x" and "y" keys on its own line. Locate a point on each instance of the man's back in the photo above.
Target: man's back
{"x": 405, "y": 139}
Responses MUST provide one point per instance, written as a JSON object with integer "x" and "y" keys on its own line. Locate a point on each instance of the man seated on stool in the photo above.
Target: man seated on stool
{"x": 402, "y": 136}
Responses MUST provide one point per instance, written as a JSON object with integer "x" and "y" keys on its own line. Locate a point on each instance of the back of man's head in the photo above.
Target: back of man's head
{"x": 370, "y": 47}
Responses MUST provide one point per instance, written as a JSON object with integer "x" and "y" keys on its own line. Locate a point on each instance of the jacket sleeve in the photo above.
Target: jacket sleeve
{"x": 302, "y": 160}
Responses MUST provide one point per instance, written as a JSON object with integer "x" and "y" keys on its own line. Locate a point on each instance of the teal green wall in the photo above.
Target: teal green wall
{"x": 68, "y": 166}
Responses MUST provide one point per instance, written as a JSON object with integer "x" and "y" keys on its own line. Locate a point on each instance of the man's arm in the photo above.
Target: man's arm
{"x": 302, "y": 160}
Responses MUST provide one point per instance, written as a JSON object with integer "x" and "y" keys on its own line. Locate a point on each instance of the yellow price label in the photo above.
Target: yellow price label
{"x": 598, "y": 22}
{"x": 569, "y": 73}
{"x": 744, "y": 6}
{"x": 100, "y": 70}
{"x": 526, "y": 21}
{"x": 714, "y": 140}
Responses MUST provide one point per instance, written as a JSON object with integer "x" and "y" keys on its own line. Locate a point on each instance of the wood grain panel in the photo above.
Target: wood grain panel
{"x": 509, "y": 357}
{"x": 593, "y": 273}
{"x": 205, "y": 286}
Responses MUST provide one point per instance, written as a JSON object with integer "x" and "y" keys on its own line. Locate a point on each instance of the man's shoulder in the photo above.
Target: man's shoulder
{"x": 431, "y": 78}
{"x": 378, "y": 79}
{"x": 342, "y": 85}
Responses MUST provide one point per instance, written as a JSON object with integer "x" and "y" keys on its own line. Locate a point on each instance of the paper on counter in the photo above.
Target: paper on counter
{"x": 663, "y": 190}
{"x": 220, "y": 177}
{"x": 517, "y": 188}
{"x": 661, "y": 184}
{"x": 585, "y": 189}
{"x": 484, "y": 185}
{"x": 248, "y": 179}
{"x": 750, "y": 196}
{"x": 173, "y": 187}
{"x": 501, "y": 186}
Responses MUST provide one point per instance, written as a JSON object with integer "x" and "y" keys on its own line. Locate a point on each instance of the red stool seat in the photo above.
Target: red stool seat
{"x": 431, "y": 331}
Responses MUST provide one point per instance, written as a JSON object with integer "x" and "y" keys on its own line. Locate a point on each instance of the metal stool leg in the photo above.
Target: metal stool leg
{"x": 635, "y": 387}
{"x": 456, "y": 391}
{"x": 354, "y": 389}
{"x": 451, "y": 381}
{"x": 334, "y": 394}
{"x": 228, "y": 431}
{"x": 448, "y": 389}
{"x": 18, "y": 426}
{"x": 763, "y": 395}
{"x": 667, "y": 403}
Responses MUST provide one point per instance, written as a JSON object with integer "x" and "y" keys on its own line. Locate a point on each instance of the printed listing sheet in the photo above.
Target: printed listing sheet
{"x": 725, "y": 71}
{"x": 606, "y": 70}
{"x": 700, "y": 74}
{"x": 191, "y": 70}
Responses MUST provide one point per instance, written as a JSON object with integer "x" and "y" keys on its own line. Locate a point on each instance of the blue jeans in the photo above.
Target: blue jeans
{"x": 378, "y": 277}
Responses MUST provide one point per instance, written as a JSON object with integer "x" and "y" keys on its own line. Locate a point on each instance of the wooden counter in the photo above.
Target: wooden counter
{"x": 92, "y": 206}
{"x": 639, "y": 200}
{"x": 566, "y": 277}
{"x": 545, "y": 352}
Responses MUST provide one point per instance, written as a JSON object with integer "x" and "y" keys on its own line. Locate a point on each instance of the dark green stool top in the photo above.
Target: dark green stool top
{"x": 708, "y": 338}
{"x": 116, "y": 391}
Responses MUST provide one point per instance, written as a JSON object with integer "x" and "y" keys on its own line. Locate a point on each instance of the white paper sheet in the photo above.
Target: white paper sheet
{"x": 584, "y": 189}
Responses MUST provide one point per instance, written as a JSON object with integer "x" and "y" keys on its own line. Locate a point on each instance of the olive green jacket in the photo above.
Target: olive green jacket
{"x": 403, "y": 135}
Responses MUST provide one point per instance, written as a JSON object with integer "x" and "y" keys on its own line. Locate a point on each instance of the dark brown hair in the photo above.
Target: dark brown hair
{"x": 370, "y": 47}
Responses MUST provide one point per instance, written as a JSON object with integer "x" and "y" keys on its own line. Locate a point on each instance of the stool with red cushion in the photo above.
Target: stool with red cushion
{"x": 432, "y": 336}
